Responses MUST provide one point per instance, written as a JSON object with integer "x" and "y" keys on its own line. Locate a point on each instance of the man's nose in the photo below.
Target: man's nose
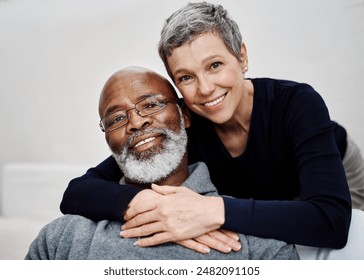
{"x": 136, "y": 122}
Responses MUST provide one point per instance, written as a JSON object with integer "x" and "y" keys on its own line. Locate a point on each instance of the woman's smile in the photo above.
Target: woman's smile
{"x": 215, "y": 102}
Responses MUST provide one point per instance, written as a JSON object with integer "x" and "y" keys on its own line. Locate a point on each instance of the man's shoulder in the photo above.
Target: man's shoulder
{"x": 199, "y": 180}
{"x": 69, "y": 237}
{"x": 72, "y": 226}
{"x": 71, "y": 219}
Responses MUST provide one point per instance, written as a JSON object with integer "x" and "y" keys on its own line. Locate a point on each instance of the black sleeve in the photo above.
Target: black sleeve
{"x": 321, "y": 218}
{"x": 97, "y": 195}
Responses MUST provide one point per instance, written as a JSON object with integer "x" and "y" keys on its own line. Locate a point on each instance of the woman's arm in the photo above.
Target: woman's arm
{"x": 321, "y": 218}
{"x": 97, "y": 194}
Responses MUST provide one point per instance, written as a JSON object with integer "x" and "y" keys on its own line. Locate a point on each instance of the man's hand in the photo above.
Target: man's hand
{"x": 173, "y": 215}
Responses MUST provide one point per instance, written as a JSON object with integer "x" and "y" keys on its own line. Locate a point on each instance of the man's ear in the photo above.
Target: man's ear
{"x": 186, "y": 114}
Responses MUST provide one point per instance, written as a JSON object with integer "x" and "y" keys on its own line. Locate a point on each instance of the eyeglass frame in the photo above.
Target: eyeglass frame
{"x": 165, "y": 101}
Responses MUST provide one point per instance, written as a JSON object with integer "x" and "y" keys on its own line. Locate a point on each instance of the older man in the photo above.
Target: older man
{"x": 144, "y": 126}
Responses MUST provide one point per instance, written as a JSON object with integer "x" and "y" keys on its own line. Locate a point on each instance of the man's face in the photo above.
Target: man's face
{"x": 149, "y": 148}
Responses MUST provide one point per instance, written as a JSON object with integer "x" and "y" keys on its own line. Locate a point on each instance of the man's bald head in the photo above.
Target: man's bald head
{"x": 135, "y": 78}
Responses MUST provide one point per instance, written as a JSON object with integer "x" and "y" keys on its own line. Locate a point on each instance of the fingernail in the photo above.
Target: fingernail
{"x": 206, "y": 250}
{"x": 237, "y": 247}
{"x": 136, "y": 243}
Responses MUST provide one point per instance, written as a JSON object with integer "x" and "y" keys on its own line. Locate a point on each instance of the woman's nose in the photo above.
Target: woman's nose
{"x": 205, "y": 85}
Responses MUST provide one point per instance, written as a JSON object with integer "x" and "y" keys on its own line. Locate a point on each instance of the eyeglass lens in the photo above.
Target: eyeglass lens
{"x": 145, "y": 107}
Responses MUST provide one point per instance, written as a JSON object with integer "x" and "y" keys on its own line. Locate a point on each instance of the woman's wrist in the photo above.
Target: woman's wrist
{"x": 216, "y": 211}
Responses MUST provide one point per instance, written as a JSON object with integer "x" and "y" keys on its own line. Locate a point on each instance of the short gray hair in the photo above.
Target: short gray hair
{"x": 194, "y": 19}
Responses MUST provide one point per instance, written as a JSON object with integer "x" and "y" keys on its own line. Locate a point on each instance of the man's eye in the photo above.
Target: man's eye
{"x": 152, "y": 105}
{"x": 117, "y": 119}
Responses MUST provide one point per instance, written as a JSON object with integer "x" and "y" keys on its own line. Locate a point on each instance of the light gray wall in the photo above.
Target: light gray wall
{"x": 56, "y": 55}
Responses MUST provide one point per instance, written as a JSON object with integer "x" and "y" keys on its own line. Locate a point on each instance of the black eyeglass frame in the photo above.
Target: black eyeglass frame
{"x": 164, "y": 101}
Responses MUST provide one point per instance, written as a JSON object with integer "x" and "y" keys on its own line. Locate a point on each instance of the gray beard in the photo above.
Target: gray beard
{"x": 157, "y": 163}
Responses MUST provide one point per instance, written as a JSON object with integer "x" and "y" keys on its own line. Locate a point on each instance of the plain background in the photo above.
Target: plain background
{"x": 55, "y": 57}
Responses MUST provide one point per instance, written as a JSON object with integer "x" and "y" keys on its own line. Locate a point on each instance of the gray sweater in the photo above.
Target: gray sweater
{"x": 78, "y": 238}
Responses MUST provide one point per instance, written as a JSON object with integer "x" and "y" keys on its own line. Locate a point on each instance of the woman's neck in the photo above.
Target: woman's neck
{"x": 234, "y": 133}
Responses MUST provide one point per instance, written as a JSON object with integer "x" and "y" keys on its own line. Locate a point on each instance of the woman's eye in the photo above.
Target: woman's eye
{"x": 215, "y": 65}
{"x": 184, "y": 78}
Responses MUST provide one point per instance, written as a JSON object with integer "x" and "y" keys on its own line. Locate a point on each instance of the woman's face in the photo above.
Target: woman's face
{"x": 209, "y": 77}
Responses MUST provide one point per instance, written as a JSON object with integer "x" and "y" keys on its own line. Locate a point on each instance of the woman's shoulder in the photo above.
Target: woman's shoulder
{"x": 271, "y": 84}
{"x": 284, "y": 91}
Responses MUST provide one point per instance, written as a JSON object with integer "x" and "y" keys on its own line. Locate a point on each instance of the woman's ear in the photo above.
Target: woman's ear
{"x": 244, "y": 58}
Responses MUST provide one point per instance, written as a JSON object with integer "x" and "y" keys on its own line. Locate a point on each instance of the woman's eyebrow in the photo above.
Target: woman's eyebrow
{"x": 204, "y": 61}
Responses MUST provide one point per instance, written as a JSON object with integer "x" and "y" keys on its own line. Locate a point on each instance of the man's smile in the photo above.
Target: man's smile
{"x": 144, "y": 142}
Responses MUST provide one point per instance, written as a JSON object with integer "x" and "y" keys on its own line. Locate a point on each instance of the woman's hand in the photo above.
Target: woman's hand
{"x": 143, "y": 196}
{"x": 220, "y": 240}
{"x": 176, "y": 214}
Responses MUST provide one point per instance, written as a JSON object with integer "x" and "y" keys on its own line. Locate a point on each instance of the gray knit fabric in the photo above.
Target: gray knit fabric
{"x": 77, "y": 238}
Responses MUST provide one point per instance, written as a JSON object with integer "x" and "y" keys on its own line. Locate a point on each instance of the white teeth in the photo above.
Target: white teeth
{"x": 213, "y": 103}
{"x": 144, "y": 141}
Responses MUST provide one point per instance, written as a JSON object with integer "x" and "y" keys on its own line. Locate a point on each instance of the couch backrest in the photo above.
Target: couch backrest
{"x": 35, "y": 190}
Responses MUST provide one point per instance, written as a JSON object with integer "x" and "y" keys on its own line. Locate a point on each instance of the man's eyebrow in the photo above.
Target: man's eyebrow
{"x": 148, "y": 94}
{"x": 113, "y": 109}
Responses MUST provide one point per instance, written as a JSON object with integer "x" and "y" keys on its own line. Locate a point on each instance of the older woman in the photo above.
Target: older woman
{"x": 270, "y": 143}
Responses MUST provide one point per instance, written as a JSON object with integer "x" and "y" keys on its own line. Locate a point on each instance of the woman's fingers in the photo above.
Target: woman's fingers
{"x": 156, "y": 239}
{"x": 231, "y": 234}
{"x": 138, "y": 208}
{"x": 227, "y": 238}
{"x": 143, "y": 230}
{"x": 145, "y": 218}
{"x": 219, "y": 241}
{"x": 195, "y": 246}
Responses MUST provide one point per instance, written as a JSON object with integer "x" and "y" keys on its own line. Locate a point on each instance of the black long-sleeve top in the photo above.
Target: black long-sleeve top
{"x": 289, "y": 184}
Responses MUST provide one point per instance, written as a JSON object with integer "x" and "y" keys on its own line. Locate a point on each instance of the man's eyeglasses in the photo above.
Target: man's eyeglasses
{"x": 148, "y": 106}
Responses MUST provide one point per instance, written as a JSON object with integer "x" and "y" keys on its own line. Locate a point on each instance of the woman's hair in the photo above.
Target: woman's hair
{"x": 195, "y": 19}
